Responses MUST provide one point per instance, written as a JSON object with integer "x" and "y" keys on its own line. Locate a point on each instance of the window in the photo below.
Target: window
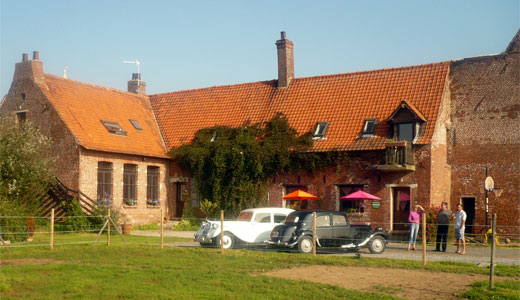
{"x": 279, "y": 218}
{"x": 369, "y": 128}
{"x": 295, "y": 204}
{"x": 323, "y": 221}
{"x": 321, "y": 130}
{"x": 338, "y": 220}
{"x": 350, "y": 205}
{"x": 21, "y": 117}
{"x": 152, "y": 188}
{"x": 136, "y": 124}
{"x": 113, "y": 127}
{"x": 130, "y": 184}
{"x": 214, "y": 137}
{"x": 263, "y": 218}
{"x": 405, "y": 132}
{"x": 104, "y": 188}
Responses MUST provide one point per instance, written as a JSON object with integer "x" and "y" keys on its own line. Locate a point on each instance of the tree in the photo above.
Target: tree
{"x": 232, "y": 166}
{"x": 25, "y": 169}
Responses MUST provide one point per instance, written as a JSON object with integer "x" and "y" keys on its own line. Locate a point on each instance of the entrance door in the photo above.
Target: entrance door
{"x": 179, "y": 199}
{"x": 401, "y": 204}
{"x": 468, "y": 204}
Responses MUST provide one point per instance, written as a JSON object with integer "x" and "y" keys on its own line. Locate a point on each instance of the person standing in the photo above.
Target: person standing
{"x": 443, "y": 224}
{"x": 415, "y": 219}
{"x": 460, "y": 226}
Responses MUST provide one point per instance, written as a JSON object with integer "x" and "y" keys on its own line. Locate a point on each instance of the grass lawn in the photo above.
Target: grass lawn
{"x": 142, "y": 270}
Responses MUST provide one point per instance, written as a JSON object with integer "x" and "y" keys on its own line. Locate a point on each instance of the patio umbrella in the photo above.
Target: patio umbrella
{"x": 360, "y": 195}
{"x": 299, "y": 196}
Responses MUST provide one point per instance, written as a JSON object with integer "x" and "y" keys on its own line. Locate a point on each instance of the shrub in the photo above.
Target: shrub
{"x": 76, "y": 220}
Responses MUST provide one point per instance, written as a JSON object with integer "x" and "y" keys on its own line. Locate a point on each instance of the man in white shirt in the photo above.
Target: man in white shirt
{"x": 460, "y": 224}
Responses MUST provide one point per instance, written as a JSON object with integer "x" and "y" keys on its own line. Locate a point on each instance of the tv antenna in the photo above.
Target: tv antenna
{"x": 136, "y": 62}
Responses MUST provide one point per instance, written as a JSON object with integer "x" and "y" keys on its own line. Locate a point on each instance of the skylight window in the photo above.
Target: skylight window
{"x": 136, "y": 124}
{"x": 321, "y": 130}
{"x": 113, "y": 127}
{"x": 369, "y": 128}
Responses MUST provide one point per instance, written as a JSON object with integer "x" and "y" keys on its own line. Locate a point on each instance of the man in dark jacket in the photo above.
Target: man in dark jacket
{"x": 443, "y": 224}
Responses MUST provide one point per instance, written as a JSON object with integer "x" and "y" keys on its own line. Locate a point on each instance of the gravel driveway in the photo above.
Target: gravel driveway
{"x": 505, "y": 256}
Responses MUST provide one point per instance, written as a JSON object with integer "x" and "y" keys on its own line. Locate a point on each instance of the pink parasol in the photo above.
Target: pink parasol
{"x": 360, "y": 195}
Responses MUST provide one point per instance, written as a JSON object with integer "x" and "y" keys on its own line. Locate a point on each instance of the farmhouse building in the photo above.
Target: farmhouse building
{"x": 419, "y": 134}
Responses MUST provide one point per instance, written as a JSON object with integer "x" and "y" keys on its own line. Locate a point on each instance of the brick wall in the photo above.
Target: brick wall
{"x": 361, "y": 171}
{"x": 142, "y": 213}
{"x": 25, "y": 95}
{"x": 485, "y": 132}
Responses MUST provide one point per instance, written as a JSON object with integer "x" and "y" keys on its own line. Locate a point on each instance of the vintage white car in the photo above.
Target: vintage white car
{"x": 253, "y": 226}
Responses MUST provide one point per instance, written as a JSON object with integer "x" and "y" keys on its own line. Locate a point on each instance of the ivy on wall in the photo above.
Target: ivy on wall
{"x": 232, "y": 166}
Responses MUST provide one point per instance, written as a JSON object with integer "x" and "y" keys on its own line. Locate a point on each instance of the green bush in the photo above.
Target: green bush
{"x": 13, "y": 222}
{"x": 75, "y": 221}
{"x": 186, "y": 225}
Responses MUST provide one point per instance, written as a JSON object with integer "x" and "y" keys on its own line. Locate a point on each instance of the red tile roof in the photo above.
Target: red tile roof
{"x": 82, "y": 107}
{"x": 344, "y": 100}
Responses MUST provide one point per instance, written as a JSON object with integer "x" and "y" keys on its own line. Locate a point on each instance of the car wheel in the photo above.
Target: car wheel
{"x": 377, "y": 245}
{"x": 229, "y": 240}
{"x": 305, "y": 245}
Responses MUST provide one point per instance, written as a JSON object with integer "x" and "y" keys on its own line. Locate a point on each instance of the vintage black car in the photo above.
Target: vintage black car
{"x": 332, "y": 229}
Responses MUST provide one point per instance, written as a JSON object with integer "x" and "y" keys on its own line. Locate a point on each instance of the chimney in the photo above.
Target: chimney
{"x": 136, "y": 85}
{"x": 29, "y": 69}
{"x": 285, "y": 61}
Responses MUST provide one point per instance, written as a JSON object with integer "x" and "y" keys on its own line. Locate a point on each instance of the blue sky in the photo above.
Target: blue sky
{"x": 194, "y": 44}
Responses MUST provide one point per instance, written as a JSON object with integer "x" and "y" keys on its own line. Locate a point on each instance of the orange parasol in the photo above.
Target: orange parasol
{"x": 299, "y": 195}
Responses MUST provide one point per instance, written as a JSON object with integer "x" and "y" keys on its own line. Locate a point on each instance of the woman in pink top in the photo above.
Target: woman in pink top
{"x": 415, "y": 220}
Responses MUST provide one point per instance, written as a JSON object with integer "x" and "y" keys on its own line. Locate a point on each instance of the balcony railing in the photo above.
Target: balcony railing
{"x": 399, "y": 157}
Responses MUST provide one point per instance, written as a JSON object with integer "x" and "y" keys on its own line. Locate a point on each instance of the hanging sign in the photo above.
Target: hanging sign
{"x": 489, "y": 184}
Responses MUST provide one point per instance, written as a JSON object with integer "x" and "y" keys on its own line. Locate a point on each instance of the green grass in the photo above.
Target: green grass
{"x": 148, "y": 272}
{"x": 142, "y": 270}
{"x": 508, "y": 289}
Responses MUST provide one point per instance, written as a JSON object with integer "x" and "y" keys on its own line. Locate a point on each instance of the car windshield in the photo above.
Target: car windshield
{"x": 245, "y": 216}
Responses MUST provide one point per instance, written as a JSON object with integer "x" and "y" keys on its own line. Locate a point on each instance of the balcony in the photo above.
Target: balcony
{"x": 399, "y": 158}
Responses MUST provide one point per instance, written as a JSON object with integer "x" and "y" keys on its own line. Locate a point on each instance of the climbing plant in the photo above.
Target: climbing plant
{"x": 233, "y": 166}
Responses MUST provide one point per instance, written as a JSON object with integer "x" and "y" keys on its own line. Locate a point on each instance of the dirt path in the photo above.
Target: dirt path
{"x": 410, "y": 284}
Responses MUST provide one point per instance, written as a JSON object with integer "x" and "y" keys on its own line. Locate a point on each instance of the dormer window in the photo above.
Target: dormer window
{"x": 407, "y": 121}
{"x": 136, "y": 124}
{"x": 321, "y": 130}
{"x": 405, "y": 132}
{"x": 113, "y": 127}
{"x": 369, "y": 128}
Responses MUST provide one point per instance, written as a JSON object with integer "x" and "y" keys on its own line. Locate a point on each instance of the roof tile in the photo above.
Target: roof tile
{"x": 345, "y": 100}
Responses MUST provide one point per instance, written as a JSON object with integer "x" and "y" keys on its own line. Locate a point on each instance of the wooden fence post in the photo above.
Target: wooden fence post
{"x": 52, "y": 229}
{"x": 108, "y": 228}
{"x": 314, "y": 234}
{"x": 222, "y": 231}
{"x": 492, "y": 265}
{"x": 162, "y": 230}
{"x": 424, "y": 239}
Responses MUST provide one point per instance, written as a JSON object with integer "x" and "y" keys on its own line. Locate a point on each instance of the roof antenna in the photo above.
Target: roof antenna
{"x": 65, "y": 72}
{"x": 138, "y": 71}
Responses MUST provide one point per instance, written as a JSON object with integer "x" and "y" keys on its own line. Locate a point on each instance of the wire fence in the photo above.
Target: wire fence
{"x": 72, "y": 230}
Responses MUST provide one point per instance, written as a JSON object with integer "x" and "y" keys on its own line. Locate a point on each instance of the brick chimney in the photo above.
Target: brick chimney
{"x": 285, "y": 61}
{"x": 29, "y": 69}
{"x": 136, "y": 85}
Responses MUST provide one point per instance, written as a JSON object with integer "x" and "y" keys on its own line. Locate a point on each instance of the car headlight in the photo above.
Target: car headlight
{"x": 275, "y": 233}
